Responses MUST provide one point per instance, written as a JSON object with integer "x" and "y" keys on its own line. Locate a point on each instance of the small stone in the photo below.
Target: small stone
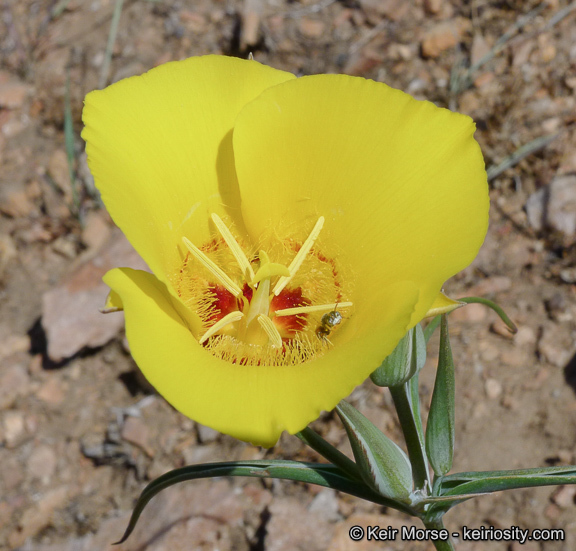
{"x": 136, "y": 432}
{"x": 16, "y": 204}
{"x": 14, "y": 383}
{"x": 295, "y": 527}
{"x": 490, "y": 286}
{"x": 444, "y": 36}
{"x": 525, "y": 337}
{"x": 564, "y": 496}
{"x": 561, "y": 211}
{"x": 52, "y": 392}
{"x": 14, "y": 427}
{"x": 96, "y": 230}
{"x": 42, "y": 463}
{"x": 13, "y": 94}
{"x": 479, "y": 48}
{"x": 470, "y": 313}
{"x": 326, "y": 505}
{"x": 556, "y": 347}
{"x": 433, "y": 6}
{"x": 60, "y": 173}
{"x": 14, "y": 344}
{"x": 311, "y": 28}
{"x": 70, "y": 312}
{"x": 8, "y": 252}
{"x": 206, "y": 434}
{"x": 536, "y": 209}
{"x": 39, "y": 515}
{"x": 493, "y": 388}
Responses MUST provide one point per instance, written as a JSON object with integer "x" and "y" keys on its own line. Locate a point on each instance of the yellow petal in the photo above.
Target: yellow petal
{"x": 252, "y": 403}
{"x": 400, "y": 182}
{"x": 443, "y": 305}
{"x": 159, "y": 147}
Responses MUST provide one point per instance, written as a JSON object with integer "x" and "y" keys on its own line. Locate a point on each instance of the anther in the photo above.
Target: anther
{"x": 226, "y": 320}
{"x": 213, "y": 268}
{"x": 300, "y": 256}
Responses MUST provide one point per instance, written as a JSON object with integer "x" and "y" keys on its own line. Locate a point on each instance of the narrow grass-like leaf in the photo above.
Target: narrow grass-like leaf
{"x": 104, "y": 74}
{"x": 440, "y": 428}
{"x": 382, "y": 464}
{"x": 328, "y": 476}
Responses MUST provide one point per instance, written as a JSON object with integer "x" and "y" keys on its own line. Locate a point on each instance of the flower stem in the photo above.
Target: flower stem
{"x": 411, "y": 427}
{"x": 437, "y": 524}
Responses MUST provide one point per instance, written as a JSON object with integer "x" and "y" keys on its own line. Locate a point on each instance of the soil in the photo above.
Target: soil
{"x": 81, "y": 432}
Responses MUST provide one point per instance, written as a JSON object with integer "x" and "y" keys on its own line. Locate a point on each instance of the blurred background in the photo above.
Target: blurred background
{"x": 80, "y": 430}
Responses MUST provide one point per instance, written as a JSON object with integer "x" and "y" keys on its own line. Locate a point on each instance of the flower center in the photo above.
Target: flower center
{"x": 275, "y": 305}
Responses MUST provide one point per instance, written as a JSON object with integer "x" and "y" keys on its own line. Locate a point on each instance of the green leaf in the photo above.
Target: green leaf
{"x": 383, "y": 465}
{"x": 440, "y": 427}
{"x": 406, "y": 360}
{"x": 329, "y": 452}
{"x": 431, "y": 327}
{"x": 328, "y": 476}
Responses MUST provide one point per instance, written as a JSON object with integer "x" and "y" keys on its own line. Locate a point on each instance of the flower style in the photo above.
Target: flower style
{"x": 295, "y": 230}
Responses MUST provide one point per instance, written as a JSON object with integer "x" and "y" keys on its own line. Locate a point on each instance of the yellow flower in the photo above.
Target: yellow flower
{"x": 263, "y": 204}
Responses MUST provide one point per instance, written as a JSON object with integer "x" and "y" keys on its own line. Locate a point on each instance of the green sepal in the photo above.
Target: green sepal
{"x": 382, "y": 464}
{"x": 404, "y": 362}
{"x": 440, "y": 426}
{"x": 328, "y": 476}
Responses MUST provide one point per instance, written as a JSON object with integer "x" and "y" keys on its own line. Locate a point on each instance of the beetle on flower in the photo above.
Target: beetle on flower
{"x": 261, "y": 202}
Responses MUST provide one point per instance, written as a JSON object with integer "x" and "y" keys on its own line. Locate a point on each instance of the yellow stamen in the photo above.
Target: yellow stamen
{"x": 268, "y": 325}
{"x": 213, "y": 268}
{"x": 300, "y": 256}
{"x": 235, "y": 248}
{"x": 310, "y": 309}
{"x": 226, "y": 320}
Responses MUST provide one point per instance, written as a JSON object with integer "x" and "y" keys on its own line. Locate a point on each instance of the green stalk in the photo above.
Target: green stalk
{"x": 437, "y": 524}
{"x": 414, "y": 443}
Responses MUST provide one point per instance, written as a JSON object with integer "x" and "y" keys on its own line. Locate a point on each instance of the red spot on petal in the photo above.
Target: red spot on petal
{"x": 289, "y": 325}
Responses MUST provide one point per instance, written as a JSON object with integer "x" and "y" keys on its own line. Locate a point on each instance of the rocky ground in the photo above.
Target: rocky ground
{"x": 80, "y": 430}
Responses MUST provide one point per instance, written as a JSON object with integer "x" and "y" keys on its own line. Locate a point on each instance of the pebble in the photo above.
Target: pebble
{"x": 326, "y": 504}
{"x": 562, "y": 205}
{"x": 206, "y": 434}
{"x": 555, "y": 346}
{"x": 135, "y": 431}
{"x": 13, "y": 94}
{"x": 14, "y": 428}
{"x": 564, "y": 496}
{"x": 443, "y": 36}
{"x": 42, "y": 463}
{"x": 493, "y": 388}
{"x": 60, "y": 173}
{"x": 490, "y": 286}
{"x": 39, "y": 515}
{"x": 52, "y": 392}
{"x": 526, "y": 336}
{"x": 311, "y": 28}
{"x": 14, "y": 383}
{"x": 292, "y": 526}
{"x": 433, "y": 6}
{"x": 16, "y": 204}
{"x": 70, "y": 312}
